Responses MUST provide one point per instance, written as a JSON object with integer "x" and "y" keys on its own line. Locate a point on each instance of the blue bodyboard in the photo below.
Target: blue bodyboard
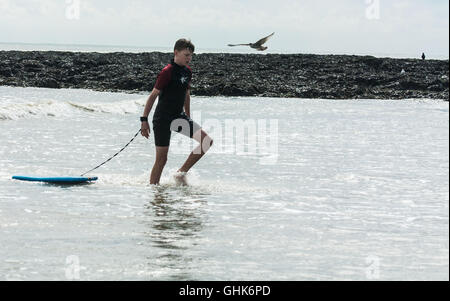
{"x": 57, "y": 180}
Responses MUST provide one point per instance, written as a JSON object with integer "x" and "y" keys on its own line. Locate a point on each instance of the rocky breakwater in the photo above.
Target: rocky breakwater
{"x": 271, "y": 75}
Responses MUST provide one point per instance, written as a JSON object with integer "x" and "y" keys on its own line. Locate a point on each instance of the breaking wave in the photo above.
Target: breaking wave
{"x": 53, "y": 108}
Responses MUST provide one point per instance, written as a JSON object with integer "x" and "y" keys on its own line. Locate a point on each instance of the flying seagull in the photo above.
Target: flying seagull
{"x": 258, "y": 45}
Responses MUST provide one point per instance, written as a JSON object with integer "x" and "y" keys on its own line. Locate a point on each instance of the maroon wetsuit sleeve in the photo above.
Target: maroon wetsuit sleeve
{"x": 163, "y": 78}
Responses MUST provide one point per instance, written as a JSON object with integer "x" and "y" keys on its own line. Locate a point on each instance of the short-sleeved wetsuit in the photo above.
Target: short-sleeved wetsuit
{"x": 173, "y": 82}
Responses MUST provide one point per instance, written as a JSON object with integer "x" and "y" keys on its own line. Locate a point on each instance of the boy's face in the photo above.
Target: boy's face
{"x": 183, "y": 57}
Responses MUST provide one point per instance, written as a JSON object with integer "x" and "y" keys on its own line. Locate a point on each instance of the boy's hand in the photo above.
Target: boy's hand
{"x": 145, "y": 129}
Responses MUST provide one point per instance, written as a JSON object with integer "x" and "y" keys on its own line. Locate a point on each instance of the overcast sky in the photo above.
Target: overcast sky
{"x": 397, "y": 27}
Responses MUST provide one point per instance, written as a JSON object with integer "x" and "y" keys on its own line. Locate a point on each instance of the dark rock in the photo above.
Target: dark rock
{"x": 408, "y": 84}
{"x": 436, "y": 88}
{"x": 444, "y": 81}
{"x": 307, "y": 93}
{"x": 48, "y": 83}
{"x": 372, "y": 62}
{"x": 32, "y": 66}
{"x": 272, "y": 75}
{"x": 129, "y": 84}
{"x": 6, "y": 72}
{"x": 237, "y": 90}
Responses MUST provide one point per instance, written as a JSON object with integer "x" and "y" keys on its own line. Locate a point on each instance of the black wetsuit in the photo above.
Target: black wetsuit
{"x": 173, "y": 82}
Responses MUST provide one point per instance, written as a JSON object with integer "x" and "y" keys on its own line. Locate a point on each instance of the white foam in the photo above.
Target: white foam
{"x": 196, "y": 183}
{"x": 30, "y": 109}
{"x": 118, "y": 107}
{"x": 123, "y": 180}
{"x": 54, "y": 108}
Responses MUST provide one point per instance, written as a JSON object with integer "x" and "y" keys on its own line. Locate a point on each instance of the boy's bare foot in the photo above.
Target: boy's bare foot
{"x": 180, "y": 178}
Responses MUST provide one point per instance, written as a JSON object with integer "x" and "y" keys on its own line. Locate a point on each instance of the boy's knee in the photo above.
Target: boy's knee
{"x": 207, "y": 143}
{"x": 208, "y": 140}
{"x": 161, "y": 160}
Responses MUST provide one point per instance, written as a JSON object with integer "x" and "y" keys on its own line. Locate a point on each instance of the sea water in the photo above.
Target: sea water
{"x": 353, "y": 190}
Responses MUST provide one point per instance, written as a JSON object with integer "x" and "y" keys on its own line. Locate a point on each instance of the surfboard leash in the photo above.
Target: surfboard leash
{"x": 113, "y": 156}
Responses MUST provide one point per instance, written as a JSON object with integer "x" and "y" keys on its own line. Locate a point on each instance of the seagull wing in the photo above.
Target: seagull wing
{"x": 264, "y": 40}
{"x": 232, "y": 45}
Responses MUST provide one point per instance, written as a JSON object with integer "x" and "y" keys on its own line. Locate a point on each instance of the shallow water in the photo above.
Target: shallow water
{"x": 352, "y": 190}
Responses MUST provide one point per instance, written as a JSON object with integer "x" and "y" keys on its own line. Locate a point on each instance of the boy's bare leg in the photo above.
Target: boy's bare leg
{"x": 205, "y": 144}
{"x": 160, "y": 162}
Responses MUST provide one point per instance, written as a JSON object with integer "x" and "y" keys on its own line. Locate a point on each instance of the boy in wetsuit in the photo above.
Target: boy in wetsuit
{"x": 173, "y": 89}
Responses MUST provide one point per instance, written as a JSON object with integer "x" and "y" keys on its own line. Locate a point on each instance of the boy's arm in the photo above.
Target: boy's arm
{"x": 150, "y": 101}
{"x": 187, "y": 103}
{"x": 145, "y": 127}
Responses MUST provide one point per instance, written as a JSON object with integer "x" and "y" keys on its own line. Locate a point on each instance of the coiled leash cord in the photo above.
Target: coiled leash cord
{"x": 114, "y": 155}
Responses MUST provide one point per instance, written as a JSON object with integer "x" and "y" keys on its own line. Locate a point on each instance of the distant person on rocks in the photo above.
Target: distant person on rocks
{"x": 423, "y": 57}
{"x": 173, "y": 88}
